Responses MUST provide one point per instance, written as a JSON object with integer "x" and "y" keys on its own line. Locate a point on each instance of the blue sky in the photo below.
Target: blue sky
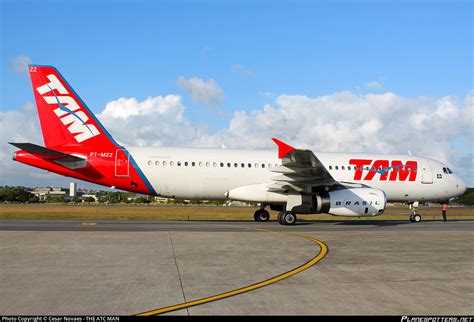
{"x": 112, "y": 49}
{"x": 139, "y": 48}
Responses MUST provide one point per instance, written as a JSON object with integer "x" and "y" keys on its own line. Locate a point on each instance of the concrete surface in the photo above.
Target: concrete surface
{"x": 51, "y": 267}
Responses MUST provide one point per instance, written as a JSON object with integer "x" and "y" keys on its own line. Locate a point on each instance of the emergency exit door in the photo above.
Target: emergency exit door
{"x": 122, "y": 164}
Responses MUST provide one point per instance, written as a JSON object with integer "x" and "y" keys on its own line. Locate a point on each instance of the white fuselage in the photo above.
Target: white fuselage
{"x": 201, "y": 173}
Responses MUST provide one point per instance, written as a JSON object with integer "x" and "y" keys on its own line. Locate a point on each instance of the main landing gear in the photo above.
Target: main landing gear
{"x": 415, "y": 216}
{"x": 286, "y": 218}
{"x": 261, "y": 215}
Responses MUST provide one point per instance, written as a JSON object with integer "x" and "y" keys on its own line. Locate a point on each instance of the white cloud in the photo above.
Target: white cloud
{"x": 374, "y": 85}
{"x": 155, "y": 121}
{"x": 22, "y": 125}
{"x": 202, "y": 91}
{"x": 344, "y": 121}
{"x": 241, "y": 70}
{"x": 20, "y": 64}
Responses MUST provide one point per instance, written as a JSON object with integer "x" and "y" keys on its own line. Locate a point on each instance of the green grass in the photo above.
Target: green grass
{"x": 154, "y": 212}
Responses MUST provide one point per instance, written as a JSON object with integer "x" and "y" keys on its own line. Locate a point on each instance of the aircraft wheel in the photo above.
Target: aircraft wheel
{"x": 256, "y": 216}
{"x": 281, "y": 214}
{"x": 411, "y": 218}
{"x": 261, "y": 215}
{"x": 416, "y": 218}
{"x": 288, "y": 219}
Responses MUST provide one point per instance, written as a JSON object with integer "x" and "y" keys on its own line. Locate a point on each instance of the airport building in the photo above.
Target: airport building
{"x": 45, "y": 192}
{"x": 72, "y": 189}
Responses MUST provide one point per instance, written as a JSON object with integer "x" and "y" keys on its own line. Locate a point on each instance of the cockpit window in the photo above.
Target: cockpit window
{"x": 447, "y": 170}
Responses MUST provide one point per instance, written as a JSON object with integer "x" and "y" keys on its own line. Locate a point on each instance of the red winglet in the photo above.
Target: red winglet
{"x": 283, "y": 148}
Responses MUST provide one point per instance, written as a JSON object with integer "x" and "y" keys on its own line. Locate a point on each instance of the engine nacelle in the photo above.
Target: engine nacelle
{"x": 345, "y": 202}
{"x": 357, "y": 202}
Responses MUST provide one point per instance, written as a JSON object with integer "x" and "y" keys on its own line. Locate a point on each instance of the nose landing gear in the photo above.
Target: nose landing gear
{"x": 415, "y": 216}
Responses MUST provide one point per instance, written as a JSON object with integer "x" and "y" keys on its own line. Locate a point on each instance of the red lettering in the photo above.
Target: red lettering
{"x": 380, "y": 166}
{"x": 402, "y": 171}
{"x": 359, "y": 163}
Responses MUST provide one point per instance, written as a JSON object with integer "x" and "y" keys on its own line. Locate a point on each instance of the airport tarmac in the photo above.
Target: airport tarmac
{"x": 124, "y": 267}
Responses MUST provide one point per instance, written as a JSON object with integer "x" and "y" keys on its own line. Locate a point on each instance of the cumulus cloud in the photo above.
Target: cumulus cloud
{"x": 340, "y": 122}
{"x": 155, "y": 121}
{"x": 241, "y": 70}
{"x": 22, "y": 125}
{"x": 203, "y": 91}
{"x": 20, "y": 64}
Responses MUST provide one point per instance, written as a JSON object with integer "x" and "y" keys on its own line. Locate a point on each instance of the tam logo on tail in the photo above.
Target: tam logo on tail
{"x": 68, "y": 111}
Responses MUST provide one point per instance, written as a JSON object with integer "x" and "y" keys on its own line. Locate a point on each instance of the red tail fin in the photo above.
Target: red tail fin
{"x": 65, "y": 119}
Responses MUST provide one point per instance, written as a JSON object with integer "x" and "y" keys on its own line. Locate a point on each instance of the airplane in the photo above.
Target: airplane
{"x": 292, "y": 181}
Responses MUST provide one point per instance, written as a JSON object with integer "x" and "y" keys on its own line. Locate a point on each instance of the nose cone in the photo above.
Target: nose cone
{"x": 461, "y": 186}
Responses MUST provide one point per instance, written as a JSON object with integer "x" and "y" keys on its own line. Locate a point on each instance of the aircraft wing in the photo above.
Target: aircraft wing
{"x": 64, "y": 159}
{"x": 301, "y": 171}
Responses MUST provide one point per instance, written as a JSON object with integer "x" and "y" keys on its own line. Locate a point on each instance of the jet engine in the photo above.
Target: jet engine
{"x": 346, "y": 202}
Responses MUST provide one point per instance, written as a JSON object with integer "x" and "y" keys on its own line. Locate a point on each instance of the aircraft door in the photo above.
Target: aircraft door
{"x": 122, "y": 164}
{"x": 426, "y": 173}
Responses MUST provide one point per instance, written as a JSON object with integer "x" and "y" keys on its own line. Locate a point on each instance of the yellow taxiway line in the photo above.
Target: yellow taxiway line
{"x": 323, "y": 251}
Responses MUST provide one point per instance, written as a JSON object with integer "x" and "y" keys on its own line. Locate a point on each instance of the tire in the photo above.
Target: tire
{"x": 264, "y": 215}
{"x": 256, "y": 216}
{"x": 416, "y": 218}
{"x": 411, "y": 218}
{"x": 281, "y": 214}
{"x": 289, "y": 219}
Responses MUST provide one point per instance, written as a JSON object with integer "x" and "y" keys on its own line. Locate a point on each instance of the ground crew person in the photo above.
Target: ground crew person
{"x": 444, "y": 209}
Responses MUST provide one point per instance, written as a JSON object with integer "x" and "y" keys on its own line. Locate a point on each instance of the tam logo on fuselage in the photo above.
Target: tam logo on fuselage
{"x": 395, "y": 170}
{"x": 68, "y": 110}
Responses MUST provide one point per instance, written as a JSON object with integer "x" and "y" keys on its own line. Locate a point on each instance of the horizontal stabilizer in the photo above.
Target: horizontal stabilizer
{"x": 64, "y": 159}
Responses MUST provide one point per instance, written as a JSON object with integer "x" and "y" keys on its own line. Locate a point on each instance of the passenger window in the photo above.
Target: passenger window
{"x": 171, "y": 163}
{"x": 249, "y": 165}
{"x": 349, "y": 168}
{"x": 214, "y": 164}
{"x": 336, "y": 167}
{"x": 263, "y": 165}
{"x": 149, "y": 162}
{"x": 178, "y": 163}
{"x": 269, "y": 166}
{"x": 222, "y": 164}
{"x": 256, "y": 165}
{"x": 193, "y": 163}
{"x": 164, "y": 162}
{"x": 186, "y": 163}
{"x": 242, "y": 165}
{"x": 236, "y": 165}
{"x": 200, "y": 164}
{"x": 207, "y": 164}
{"x": 330, "y": 167}
{"x": 342, "y": 168}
